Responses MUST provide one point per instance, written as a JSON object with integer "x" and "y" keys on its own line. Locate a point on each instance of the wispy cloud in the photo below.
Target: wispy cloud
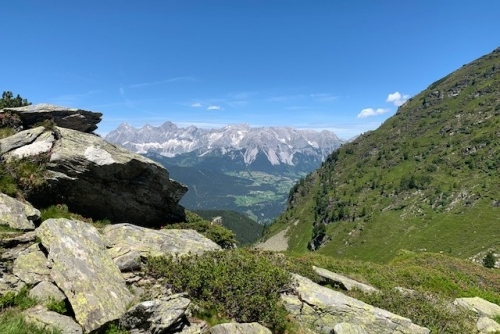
{"x": 397, "y": 98}
{"x": 196, "y": 105}
{"x": 170, "y": 80}
{"x": 285, "y": 98}
{"x": 214, "y": 107}
{"x": 368, "y": 112}
{"x": 69, "y": 100}
{"x": 323, "y": 97}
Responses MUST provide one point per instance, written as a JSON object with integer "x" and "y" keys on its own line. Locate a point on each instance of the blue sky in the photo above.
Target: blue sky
{"x": 338, "y": 65}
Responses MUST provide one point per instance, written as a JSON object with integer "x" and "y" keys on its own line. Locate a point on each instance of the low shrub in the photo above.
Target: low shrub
{"x": 236, "y": 284}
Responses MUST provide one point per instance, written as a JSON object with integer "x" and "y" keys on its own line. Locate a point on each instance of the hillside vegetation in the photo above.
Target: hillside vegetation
{"x": 425, "y": 180}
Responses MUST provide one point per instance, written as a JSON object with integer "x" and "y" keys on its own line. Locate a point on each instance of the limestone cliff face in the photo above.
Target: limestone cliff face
{"x": 98, "y": 179}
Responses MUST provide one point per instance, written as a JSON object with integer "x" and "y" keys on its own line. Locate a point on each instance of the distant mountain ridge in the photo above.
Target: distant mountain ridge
{"x": 279, "y": 145}
{"x": 237, "y": 167}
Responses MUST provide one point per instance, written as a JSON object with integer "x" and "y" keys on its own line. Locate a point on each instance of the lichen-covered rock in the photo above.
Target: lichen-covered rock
{"x": 343, "y": 282}
{"x": 157, "y": 316}
{"x": 126, "y": 238}
{"x": 479, "y": 305}
{"x": 49, "y": 320}
{"x": 346, "y": 328}
{"x": 323, "y": 309}
{"x": 97, "y": 179}
{"x": 71, "y": 118}
{"x": 16, "y": 214}
{"x": 237, "y": 328}
{"x": 84, "y": 271}
{"x": 32, "y": 266}
{"x": 47, "y": 291}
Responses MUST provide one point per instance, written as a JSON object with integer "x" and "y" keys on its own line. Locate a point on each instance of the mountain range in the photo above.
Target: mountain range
{"x": 426, "y": 180}
{"x": 238, "y": 167}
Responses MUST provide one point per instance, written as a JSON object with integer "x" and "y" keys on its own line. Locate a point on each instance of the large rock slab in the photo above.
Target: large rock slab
{"x": 126, "y": 241}
{"x": 323, "y": 309}
{"x": 98, "y": 179}
{"x": 71, "y": 118}
{"x": 237, "y": 328}
{"x": 157, "y": 316}
{"x": 479, "y": 306}
{"x": 49, "y": 320}
{"x": 16, "y": 214}
{"x": 342, "y": 282}
{"x": 84, "y": 271}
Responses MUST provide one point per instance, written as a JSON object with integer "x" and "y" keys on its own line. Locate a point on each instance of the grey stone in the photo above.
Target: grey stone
{"x": 16, "y": 214}
{"x": 237, "y": 328}
{"x": 32, "y": 266}
{"x": 479, "y": 306}
{"x": 322, "y": 308}
{"x": 98, "y": 179}
{"x": 487, "y": 325}
{"x": 47, "y": 291}
{"x": 71, "y": 118}
{"x": 157, "y": 316}
{"x": 49, "y": 320}
{"x": 84, "y": 271}
{"x": 342, "y": 282}
{"x": 346, "y": 328}
{"x": 125, "y": 238}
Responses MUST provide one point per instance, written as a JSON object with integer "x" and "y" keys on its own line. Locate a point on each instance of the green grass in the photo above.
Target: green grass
{"x": 12, "y": 322}
{"x": 426, "y": 180}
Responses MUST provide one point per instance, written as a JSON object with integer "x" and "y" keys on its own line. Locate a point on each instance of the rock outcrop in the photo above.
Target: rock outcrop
{"x": 98, "y": 179}
{"x": 323, "y": 309}
{"x": 128, "y": 243}
{"x": 49, "y": 320}
{"x": 342, "y": 282}
{"x": 236, "y": 328}
{"x": 71, "y": 118}
{"x": 16, "y": 214}
{"x": 83, "y": 270}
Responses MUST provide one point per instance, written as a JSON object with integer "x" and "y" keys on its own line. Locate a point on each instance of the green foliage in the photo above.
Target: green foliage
{"x": 218, "y": 234}
{"x": 12, "y": 322}
{"x": 428, "y": 177}
{"x": 20, "y": 299}
{"x": 113, "y": 328}
{"x": 9, "y": 101}
{"x": 245, "y": 229}
{"x": 236, "y": 284}
{"x": 489, "y": 260}
{"x": 21, "y": 176}
{"x": 62, "y": 211}
{"x": 58, "y": 306}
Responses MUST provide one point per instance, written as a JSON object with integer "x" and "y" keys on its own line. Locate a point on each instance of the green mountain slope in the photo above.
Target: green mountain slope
{"x": 245, "y": 229}
{"x": 425, "y": 180}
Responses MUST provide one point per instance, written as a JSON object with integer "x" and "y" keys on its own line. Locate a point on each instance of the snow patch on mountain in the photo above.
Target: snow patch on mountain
{"x": 280, "y": 145}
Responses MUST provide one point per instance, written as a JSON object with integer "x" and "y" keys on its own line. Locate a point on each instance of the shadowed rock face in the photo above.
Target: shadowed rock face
{"x": 71, "y": 118}
{"x": 98, "y": 179}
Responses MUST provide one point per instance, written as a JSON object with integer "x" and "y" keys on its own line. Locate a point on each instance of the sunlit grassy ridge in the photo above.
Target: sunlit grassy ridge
{"x": 426, "y": 180}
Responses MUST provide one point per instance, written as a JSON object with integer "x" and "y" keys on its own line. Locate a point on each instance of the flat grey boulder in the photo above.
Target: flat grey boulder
{"x": 97, "y": 179}
{"x": 342, "y": 282}
{"x": 237, "y": 328}
{"x": 49, "y": 320}
{"x": 487, "y": 325}
{"x": 479, "y": 306}
{"x": 323, "y": 309}
{"x": 16, "y": 214}
{"x": 157, "y": 316}
{"x": 46, "y": 291}
{"x": 84, "y": 271}
{"x": 126, "y": 239}
{"x": 71, "y": 118}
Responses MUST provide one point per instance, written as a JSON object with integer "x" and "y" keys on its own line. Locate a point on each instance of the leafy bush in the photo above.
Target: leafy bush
{"x": 236, "y": 284}
{"x": 218, "y": 234}
{"x": 62, "y": 211}
{"x": 58, "y": 306}
{"x": 489, "y": 260}
{"x": 21, "y": 176}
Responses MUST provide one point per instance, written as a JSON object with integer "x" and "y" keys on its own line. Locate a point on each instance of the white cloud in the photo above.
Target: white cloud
{"x": 196, "y": 105}
{"x": 367, "y": 112}
{"x": 397, "y": 98}
{"x": 214, "y": 107}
